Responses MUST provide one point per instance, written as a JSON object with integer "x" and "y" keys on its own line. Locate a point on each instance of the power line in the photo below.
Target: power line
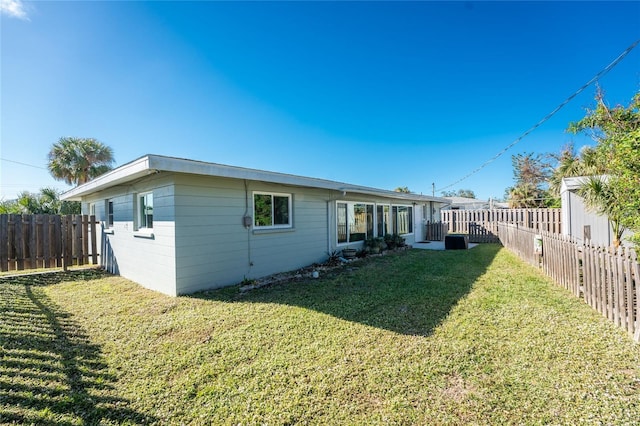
{"x": 548, "y": 116}
{"x": 23, "y": 164}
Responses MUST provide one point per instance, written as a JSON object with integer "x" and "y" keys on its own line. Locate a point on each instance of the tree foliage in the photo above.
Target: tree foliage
{"x": 47, "y": 201}
{"x": 530, "y": 173}
{"x": 404, "y": 189}
{"x": 617, "y": 133}
{"x": 78, "y": 160}
{"x": 466, "y": 193}
{"x": 571, "y": 164}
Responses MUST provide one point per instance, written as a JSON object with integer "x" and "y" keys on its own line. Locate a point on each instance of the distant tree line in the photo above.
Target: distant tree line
{"x": 466, "y": 193}
{"x": 47, "y": 201}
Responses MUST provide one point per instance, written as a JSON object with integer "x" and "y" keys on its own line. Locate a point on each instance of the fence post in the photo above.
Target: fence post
{"x": 4, "y": 242}
{"x": 67, "y": 242}
{"x": 30, "y": 228}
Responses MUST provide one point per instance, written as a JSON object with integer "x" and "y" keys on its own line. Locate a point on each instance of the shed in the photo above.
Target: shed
{"x": 580, "y": 222}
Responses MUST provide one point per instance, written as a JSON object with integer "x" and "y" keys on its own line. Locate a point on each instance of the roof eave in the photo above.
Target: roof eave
{"x": 125, "y": 173}
{"x": 154, "y": 163}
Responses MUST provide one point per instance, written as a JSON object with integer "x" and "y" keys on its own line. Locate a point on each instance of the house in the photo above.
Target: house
{"x": 465, "y": 203}
{"x": 179, "y": 226}
{"x": 578, "y": 221}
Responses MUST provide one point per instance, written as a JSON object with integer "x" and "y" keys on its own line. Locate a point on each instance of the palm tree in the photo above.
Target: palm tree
{"x": 588, "y": 163}
{"x": 569, "y": 165}
{"x": 78, "y": 160}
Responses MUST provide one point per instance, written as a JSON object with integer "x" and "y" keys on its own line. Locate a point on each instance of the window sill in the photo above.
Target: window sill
{"x": 144, "y": 233}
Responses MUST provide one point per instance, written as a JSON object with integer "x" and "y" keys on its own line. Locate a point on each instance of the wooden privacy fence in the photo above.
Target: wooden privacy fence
{"x": 46, "y": 241}
{"x": 607, "y": 279}
{"x": 483, "y": 232}
{"x": 435, "y": 231}
{"x": 458, "y": 221}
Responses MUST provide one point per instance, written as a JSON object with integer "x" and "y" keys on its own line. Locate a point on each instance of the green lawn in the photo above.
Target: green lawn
{"x": 421, "y": 337}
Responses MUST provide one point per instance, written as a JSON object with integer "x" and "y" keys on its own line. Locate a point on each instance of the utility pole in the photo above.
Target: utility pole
{"x": 433, "y": 189}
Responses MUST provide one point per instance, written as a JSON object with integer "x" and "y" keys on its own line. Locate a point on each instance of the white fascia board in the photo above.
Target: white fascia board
{"x": 179, "y": 165}
{"x": 125, "y": 173}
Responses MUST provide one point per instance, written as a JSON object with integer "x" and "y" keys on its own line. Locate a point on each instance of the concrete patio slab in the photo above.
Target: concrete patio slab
{"x": 435, "y": 245}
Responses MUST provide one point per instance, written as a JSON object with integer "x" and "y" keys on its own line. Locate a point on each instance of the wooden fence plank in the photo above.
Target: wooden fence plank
{"x": 11, "y": 249}
{"x": 636, "y": 274}
{"x": 38, "y": 241}
{"x": 30, "y": 240}
{"x": 85, "y": 241}
{"x": 620, "y": 288}
{"x": 609, "y": 265}
{"x": 19, "y": 242}
{"x": 609, "y": 279}
{"x": 587, "y": 277}
{"x": 78, "y": 256}
{"x": 67, "y": 242}
{"x": 46, "y": 242}
{"x": 4, "y": 240}
{"x": 629, "y": 294}
{"x": 603, "y": 283}
{"x": 540, "y": 219}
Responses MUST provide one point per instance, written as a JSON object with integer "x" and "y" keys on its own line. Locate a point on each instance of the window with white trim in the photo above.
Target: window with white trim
{"x": 108, "y": 209}
{"x": 145, "y": 210}
{"x": 354, "y": 222}
{"x": 402, "y": 219}
{"x": 384, "y": 221}
{"x": 272, "y": 210}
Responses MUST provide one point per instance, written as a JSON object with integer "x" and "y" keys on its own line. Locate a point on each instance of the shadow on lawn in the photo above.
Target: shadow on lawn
{"x": 409, "y": 293}
{"x": 51, "y": 373}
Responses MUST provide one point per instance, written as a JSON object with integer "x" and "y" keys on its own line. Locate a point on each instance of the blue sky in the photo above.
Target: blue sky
{"x": 371, "y": 93}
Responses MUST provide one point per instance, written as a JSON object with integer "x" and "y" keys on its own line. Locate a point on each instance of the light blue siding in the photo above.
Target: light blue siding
{"x": 214, "y": 249}
{"x": 147, "y": 261}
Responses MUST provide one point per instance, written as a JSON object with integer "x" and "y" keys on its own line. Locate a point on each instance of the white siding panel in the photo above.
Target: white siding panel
{"x": 214, "y": 249}
{"x": 147, "y": 261}
{"x": 581, "y": 216}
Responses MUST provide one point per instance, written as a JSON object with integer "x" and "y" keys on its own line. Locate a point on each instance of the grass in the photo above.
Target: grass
{"x": 422, "y": 337}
